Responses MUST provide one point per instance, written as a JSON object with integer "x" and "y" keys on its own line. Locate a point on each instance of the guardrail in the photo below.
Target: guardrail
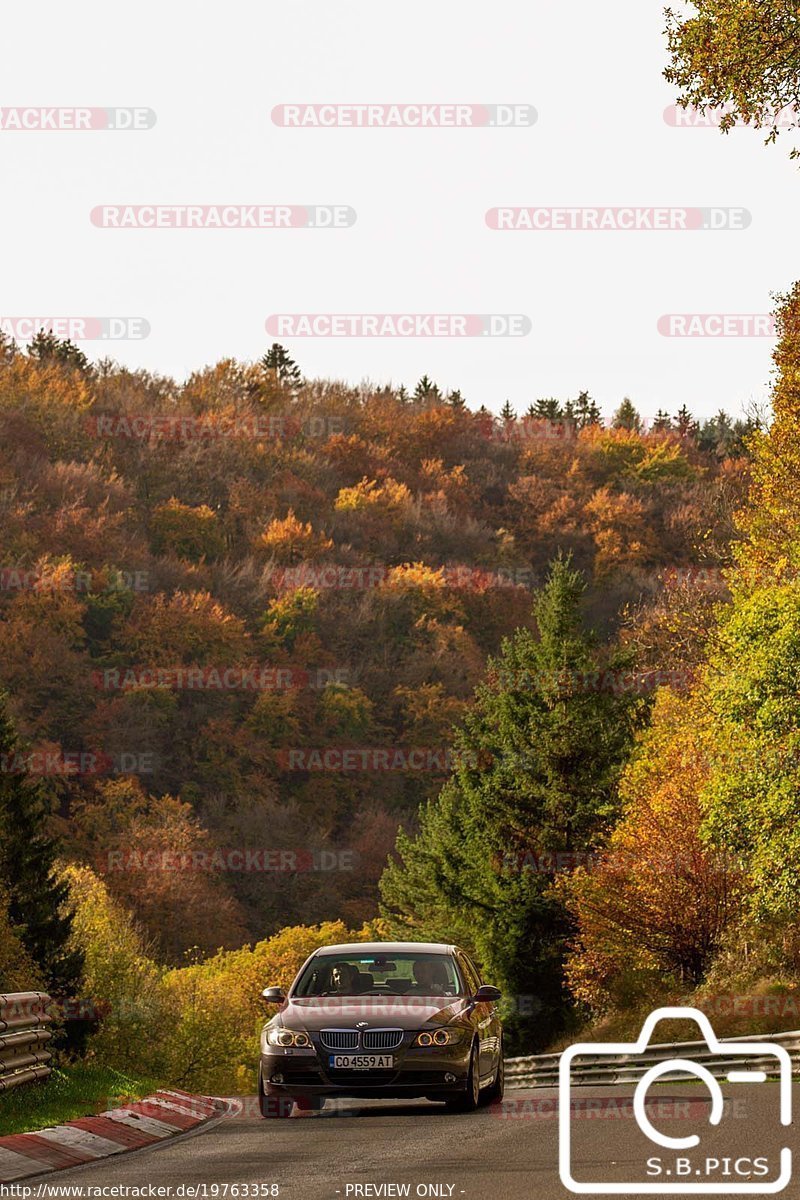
{"x": 24, "y": 1057}
{"x": 542, "y": 1070}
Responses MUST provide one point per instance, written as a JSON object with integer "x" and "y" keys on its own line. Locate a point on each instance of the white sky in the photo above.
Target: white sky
{"x": 213, "y": 72}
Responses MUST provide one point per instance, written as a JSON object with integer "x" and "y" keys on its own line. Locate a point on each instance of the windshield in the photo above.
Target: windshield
{"x": 381, "y": 975}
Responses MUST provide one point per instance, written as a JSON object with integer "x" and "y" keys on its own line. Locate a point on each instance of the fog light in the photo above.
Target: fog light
{"x": 449, "y": 1078}
{"x": 277, "y": 1078}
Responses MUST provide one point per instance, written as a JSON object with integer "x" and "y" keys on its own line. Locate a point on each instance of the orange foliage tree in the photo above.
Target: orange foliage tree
{"x": 652, "y": 908}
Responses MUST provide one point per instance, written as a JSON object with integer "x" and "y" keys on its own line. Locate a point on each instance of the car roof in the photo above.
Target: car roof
{"x": 387, "y": 948}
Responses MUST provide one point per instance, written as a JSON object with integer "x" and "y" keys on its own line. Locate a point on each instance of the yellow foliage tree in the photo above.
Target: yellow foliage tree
{"x": 120, "y": 978}
{"x": 215, "y": 1042}
{"x": 771, "y": 520}
{"x": 390, "y": 496}
{"x": 291, "y": 540}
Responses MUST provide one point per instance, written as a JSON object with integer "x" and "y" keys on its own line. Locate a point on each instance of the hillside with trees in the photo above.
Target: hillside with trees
{"x": 210, "y": 591}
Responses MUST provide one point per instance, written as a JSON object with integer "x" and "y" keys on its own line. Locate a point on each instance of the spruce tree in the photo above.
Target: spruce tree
{"x": 27, "y": 867}
{"x": 507, "y": 412}
{"x": 626, "y": 417}
{"x": 286, "y": 370}
{"x": 718, "y": 436}
{"x": 47, "y": 348}
{"x": 427, "y": 392}
{"x": 594, "y": 416}
{"x": 685, "y": 423}
{"x": 548, "y": 409}
{"x": 586, "y": 411}
{"x": 536, "y": 767}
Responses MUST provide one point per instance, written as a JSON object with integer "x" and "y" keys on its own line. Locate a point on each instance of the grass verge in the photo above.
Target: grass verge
{"x": 77, "y": 1091}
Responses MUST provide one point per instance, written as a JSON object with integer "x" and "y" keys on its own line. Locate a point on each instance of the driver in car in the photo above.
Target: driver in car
{"x": 427, "y": 978}
{"x": 343, "y": 977}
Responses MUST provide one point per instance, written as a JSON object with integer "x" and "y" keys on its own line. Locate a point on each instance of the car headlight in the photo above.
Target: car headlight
{"x": 288, "y": 1037}
{"x": 438, "y": 1037}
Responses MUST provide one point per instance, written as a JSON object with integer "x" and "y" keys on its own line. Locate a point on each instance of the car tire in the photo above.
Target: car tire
{"x": 468, "y": 1099}
{"x": 273, "y": 1106}
{"x": 493, "y": 1094}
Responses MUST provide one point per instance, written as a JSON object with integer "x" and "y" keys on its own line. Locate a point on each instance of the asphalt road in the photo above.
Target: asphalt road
{"x": 510, "y": 1151}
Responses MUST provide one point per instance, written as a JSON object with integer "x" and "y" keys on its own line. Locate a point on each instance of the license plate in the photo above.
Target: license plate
{"x": 362, "y": 1062}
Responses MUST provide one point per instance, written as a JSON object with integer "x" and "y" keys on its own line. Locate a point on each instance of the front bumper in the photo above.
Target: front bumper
{"x": 418, "y": 1071}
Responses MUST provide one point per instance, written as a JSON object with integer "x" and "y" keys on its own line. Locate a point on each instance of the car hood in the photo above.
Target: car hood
{"x": 379, "y": 1012}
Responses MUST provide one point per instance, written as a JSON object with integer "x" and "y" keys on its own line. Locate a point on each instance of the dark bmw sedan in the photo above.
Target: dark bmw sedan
{"x": 376, "y": 1019}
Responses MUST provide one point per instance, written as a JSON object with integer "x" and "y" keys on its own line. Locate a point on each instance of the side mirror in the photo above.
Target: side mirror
{"x": 487, "y": 994}
{"x": 273, "y": 995}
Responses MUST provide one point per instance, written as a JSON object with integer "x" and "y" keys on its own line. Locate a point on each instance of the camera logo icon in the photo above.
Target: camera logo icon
{"x": 683, "y": 1166}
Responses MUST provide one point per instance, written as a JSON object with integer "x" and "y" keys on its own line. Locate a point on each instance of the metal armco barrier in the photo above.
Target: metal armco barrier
{"x": 24, "y": 1057}
{"x": 592, "y": 1070}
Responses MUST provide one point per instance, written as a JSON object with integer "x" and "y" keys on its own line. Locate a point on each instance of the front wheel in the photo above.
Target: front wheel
{"x": 469, "y": 1099}
{"x": 494, "y": 1092}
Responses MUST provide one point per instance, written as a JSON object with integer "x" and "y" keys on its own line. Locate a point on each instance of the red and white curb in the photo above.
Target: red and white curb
{"x": 144, "y": 1123}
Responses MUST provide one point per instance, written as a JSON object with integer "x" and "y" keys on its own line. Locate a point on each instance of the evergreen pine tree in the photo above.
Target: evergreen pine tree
{"x": 456, "y": 400}
{"x": 626, "y": 417}
{"x": 427, "y": 392}
{"x": 536, "y": 769}
{"x": 685, "y": 423}
{"x": 593, "y": 414}
{"x": 548, "y": 409}
{"x": 662, "y": 422}
{"x": 46, "y": 347}
{"x": 286, "y": 370}
{"x": 507, "y": 412}
{"x": 718, "y": 436}
{"x": 27, "y": 860}
{"x": 742, "y": 433}
{"x": 586, "y": 411}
